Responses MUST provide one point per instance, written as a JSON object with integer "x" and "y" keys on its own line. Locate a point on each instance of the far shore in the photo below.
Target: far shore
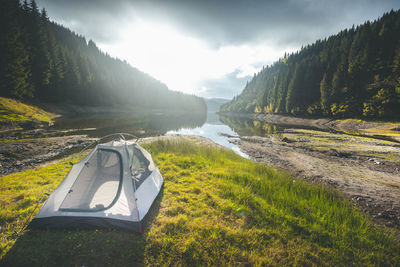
{"x": 353, "y": 126}
{"x": 23, "y": 117}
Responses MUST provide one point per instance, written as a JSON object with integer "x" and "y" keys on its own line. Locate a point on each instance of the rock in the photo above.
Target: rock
{"x": 286, "y": 140}
{"x": 390, "y": 224}
{"x": 31, "y": 124}
{"x": 334, "y": 183}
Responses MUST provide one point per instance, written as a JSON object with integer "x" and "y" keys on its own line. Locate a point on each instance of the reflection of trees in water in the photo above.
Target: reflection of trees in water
{"x": 213, "y": 118}
{"x": 246, "y": 126}
{"x": 144, "y": 124}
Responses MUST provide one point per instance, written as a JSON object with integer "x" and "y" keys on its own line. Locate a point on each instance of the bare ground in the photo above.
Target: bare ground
{"x": 25, "y": 150}
{"x": 366, "y": 170}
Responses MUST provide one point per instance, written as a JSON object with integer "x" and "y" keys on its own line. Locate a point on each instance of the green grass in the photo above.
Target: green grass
{"x": 19, "y": 195}
{"x": 18, "y": 140}
{"x": 215, "y": 208}
{"x": 13, "y": 111}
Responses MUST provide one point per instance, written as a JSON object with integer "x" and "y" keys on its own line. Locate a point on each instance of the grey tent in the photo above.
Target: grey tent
{"x": 112, "y": 187}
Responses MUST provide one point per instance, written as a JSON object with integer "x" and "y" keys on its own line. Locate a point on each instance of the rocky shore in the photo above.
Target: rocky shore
{"x": 29, "y": 149}
{"x": 365, "y": 170}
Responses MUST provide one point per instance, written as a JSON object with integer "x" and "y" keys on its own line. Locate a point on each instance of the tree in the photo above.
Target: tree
{"x": 335, "y": 74}
{"x": 324, "y": 89}
{"x": 17, "y": 76}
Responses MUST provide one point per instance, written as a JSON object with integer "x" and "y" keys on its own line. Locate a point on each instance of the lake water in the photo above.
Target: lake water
{"x": 220, "y": 129}
{"x": 153, "y": 124}
{"x": 214, "y": 130}
{"x": 139, "y": 124}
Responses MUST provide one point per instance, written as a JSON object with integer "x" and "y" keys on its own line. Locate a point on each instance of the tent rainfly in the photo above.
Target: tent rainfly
{"x": 112, "y": 187}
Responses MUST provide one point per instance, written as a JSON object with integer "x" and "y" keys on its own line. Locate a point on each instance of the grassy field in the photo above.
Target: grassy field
{"x": 15, "y": 112}
{"x": 215, "y": 208}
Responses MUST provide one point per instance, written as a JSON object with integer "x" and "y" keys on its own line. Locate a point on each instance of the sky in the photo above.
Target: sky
{"x": 209, "y": 48}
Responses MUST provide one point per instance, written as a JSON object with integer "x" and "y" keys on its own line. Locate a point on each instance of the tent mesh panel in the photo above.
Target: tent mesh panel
{"x": 139, "y": 166}
{"x": 97, "y": 184}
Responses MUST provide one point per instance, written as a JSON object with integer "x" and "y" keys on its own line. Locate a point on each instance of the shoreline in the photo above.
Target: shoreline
{"x": 348, "y": 126}
{"x": 18, "y": 116}
{"x": 300, "y": 152}
{"x": 40, "y": 147}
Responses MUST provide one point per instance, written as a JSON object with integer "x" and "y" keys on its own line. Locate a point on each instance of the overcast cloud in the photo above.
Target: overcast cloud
{"x": 215, "y": 26}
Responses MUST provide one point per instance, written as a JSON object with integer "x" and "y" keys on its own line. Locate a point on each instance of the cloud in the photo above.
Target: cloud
{"x": 95, "y": 19}
{"x": 233, "y": 22}
{"x": 209, "y": 47}
{"x": 226, "y": 86}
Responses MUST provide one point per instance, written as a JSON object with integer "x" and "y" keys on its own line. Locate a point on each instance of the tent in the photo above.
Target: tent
{"x": 112, "y": 187}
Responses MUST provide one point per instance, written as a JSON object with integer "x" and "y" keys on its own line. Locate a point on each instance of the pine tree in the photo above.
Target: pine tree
{"x": 324, "y": 89}
{"x": 17, "y": 76}
{"x": 340, "y": 74}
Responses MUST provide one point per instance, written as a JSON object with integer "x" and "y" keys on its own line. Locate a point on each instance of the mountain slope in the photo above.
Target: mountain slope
{"x": 353, "y": 73}
{"x": 214, "y": 104}
{"x": 43, "y": 61}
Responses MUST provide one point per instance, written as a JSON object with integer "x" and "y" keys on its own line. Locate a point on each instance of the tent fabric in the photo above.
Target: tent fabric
{"x": 114, "y": 186}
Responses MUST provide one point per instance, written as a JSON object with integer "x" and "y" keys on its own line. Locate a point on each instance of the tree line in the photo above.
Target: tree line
{"x": 46, "y": 62}
{"x": 353, "y": 73}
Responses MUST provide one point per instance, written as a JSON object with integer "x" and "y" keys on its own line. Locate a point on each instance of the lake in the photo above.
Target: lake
{"x": 220, "y": 129}
{"x": 215, "y": 130}
{"x": 153, "y": 124}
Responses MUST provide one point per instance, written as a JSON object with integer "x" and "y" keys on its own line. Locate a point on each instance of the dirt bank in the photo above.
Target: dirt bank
{"x": 366, "y": 170}
{"x": 29, "y": 149}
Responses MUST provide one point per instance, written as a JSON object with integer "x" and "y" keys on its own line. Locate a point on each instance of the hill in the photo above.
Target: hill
{"x": 214, "y": 104}
{"x": 353, "y": 73}
{"x": 14, "y": 113}
{"x": 41, "y": 61}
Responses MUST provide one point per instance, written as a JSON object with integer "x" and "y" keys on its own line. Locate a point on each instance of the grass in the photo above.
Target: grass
{"x": 383, "y": 132}
{"x": 13, "y": 111}
{"x": 215, "y": 208}
{"x": 19, "y": 195}
{"x": 18, "y": 140}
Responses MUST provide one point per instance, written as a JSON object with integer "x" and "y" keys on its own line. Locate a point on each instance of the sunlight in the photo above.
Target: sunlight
{"x": 183, "y": 62}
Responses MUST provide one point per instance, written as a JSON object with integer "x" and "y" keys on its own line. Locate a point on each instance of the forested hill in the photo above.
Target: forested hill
{"x": 353, "y": 73}
{"x": 45, "y": 62}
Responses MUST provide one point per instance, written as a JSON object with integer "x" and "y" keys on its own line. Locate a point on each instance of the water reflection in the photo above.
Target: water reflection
{"x": 249, "y": 127}
{"x": 214, "y": 130}
{"x": 220, "y": 129}
{"x": 139, "y": 124}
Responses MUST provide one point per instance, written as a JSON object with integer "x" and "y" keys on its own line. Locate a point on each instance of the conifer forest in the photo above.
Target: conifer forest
{"x": 355, "y": 73}
{"x": 42, "y": 61}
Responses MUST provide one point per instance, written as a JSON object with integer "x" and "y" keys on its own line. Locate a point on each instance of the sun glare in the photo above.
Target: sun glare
{"x": 183, "y": 62}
